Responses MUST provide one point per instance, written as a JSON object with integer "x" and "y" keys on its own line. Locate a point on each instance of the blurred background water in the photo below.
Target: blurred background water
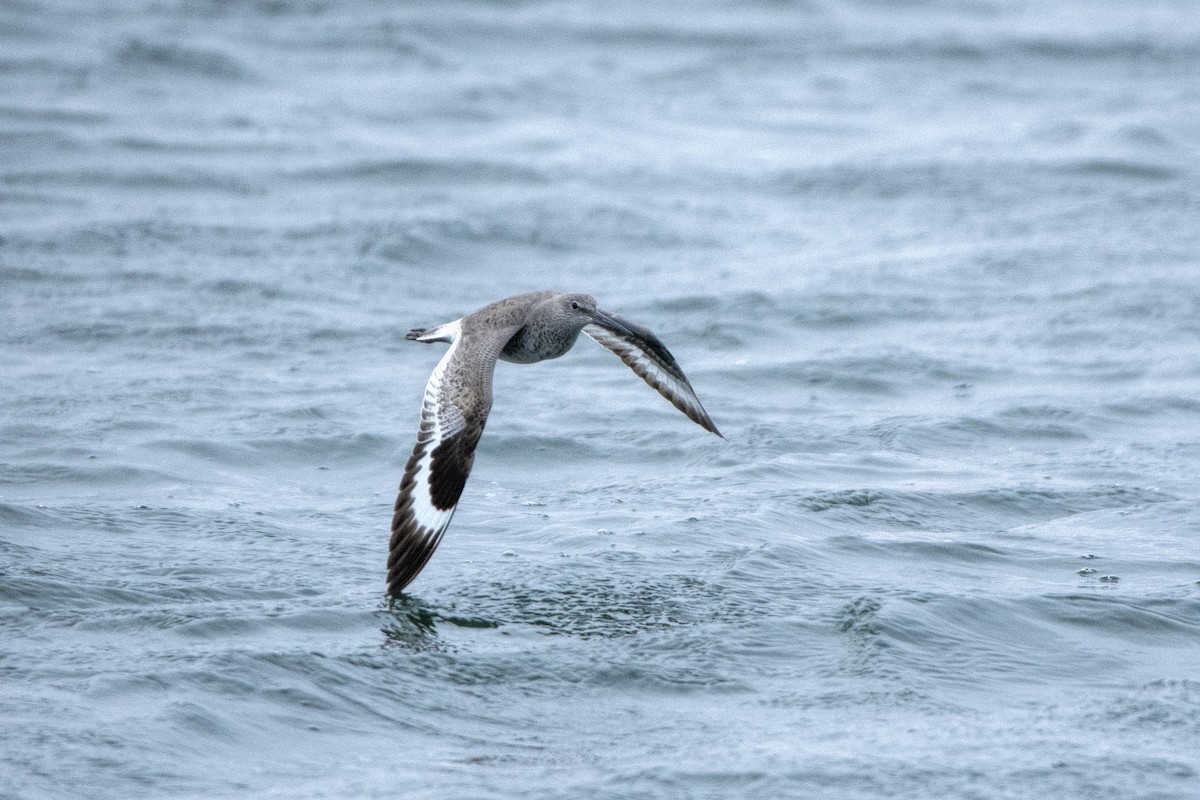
{"x": 931, "y": 266}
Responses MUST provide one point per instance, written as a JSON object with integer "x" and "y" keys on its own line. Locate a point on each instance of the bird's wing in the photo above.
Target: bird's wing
{"x": 642, "y": 352}
{"x": 441, "y": 460}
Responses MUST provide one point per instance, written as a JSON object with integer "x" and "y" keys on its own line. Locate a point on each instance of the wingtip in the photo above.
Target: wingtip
{"x": 710, "y": 426}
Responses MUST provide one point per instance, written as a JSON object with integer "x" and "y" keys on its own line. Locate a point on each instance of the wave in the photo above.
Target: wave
{"x": 439, "y": 171}
{"x": 992, "y": 509}
{"x": 181, "y": 59}
{"x": 141, "y": 177}
{"x": 95, "y": 474}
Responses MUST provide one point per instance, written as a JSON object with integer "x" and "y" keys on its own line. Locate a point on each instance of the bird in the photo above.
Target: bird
{"x": 521, "y": 329}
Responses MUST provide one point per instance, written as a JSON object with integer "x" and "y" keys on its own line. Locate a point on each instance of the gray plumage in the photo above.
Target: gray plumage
{"x": 522, "y": 329}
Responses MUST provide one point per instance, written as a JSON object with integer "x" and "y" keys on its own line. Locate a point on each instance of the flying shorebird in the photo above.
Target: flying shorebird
{"x": 522, "y": 329}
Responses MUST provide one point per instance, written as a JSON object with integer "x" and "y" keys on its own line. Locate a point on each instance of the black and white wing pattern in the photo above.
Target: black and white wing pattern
{"x": 437, "y": 470}
{"x": 650, "y": 359}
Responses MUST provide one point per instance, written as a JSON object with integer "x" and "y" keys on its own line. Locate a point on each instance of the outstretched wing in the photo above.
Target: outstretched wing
{"x": 437, "y": 470}
{"x": 642, "y": 352}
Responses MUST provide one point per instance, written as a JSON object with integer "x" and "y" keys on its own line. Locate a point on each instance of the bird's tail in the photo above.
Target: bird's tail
{"x": 442, "y": 333}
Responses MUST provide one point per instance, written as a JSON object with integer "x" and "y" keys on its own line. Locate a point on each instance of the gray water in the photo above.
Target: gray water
{"x": 931, "y": 266}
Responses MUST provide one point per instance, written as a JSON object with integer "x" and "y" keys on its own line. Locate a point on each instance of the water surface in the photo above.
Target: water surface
{"x": 930, "y": 266}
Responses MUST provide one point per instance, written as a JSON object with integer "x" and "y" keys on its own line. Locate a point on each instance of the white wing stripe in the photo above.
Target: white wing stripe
{"x": 428, "y": 517}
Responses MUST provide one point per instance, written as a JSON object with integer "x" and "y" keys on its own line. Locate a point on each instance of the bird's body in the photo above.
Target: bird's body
{"x": 522, "y": 329}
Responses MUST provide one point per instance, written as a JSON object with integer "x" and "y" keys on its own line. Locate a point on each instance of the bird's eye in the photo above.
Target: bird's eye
{"x": 574, "y": 305}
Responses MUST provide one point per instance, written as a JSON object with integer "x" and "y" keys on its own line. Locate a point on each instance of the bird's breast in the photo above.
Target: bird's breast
{"x": 530, "y": 344}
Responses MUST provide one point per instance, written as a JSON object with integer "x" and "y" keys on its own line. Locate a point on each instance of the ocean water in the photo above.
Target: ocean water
{"x": 932, "y": 266}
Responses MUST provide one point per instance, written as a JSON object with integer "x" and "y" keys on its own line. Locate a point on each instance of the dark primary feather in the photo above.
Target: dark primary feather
{"x": 412, "y": 543}
{"x": 452, "y": 460}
